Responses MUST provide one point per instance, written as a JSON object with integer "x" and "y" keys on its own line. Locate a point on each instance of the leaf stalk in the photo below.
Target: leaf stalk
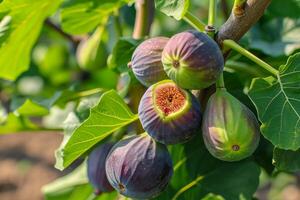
{"x": 235, "y": 46}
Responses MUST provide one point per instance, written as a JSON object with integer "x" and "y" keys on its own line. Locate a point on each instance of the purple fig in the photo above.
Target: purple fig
{"x": 192, "y": 60}
{"x": 146, "y": 61}
{"x": 169, "y": 114}
{"x": 139, "y": 167}
{"x": 96, "y": 168}
{"x": 230, "y": 130}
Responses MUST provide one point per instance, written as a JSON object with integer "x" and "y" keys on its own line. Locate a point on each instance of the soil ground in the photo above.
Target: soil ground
{"x": 26, "y": 164}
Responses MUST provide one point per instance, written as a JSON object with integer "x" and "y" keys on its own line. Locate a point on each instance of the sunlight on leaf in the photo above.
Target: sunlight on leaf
{"x": 108, "y": 116}
{"x": 27, "y": 18}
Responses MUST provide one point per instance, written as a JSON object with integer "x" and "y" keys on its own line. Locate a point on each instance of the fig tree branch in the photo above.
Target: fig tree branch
{"x": 74, "y": 40}
{"x": 144, "y": 18}
{"x": 237, "y": 25}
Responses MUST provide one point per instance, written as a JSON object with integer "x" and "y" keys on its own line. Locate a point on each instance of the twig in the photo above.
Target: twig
{"x": 74, "y": 40}
{"x": 235, "y": 27}
{"x": 144, "y": 18}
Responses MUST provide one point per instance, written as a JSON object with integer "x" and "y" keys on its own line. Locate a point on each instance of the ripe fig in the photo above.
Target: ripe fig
{"x": 139, "y": 167}
{"x": 230, "y": 129}
{"x": 96, "y": 168}
{"x": 146, "y": 61}
{"x": 168, "y": 113}
{"x": 192, "y": 59}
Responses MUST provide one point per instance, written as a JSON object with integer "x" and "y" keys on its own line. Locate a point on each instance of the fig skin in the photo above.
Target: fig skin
{"x": 146, "y": 61}
{"x": 230, "y": 129}
{"x": 96, "y": 168}
{"x": 139, "y": 167}
{"x": 192, "y": 60}
{"x": 173, "y": 128}
{"x": 91, "y": 54}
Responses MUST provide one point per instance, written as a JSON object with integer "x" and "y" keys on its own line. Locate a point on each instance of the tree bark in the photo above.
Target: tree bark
{"x": 236, "y": 26}
{"x": 143, "y": 19}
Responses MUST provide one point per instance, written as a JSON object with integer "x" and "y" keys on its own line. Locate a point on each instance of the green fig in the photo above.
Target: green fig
{"x": 230, "y": 129}
{"x": 192, "y": 60}
{"x": 92, "y": 53}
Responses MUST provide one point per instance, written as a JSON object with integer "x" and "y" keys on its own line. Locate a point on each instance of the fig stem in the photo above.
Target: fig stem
{"x": 239, "y": 8}
{"x": 220, "y": 82}
{"x": 194, "y": 21}
{"x": 235, "y": 46}
{"x": 212, "y": 12}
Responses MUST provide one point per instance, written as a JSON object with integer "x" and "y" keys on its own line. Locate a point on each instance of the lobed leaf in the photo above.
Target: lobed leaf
{"x": 19, "y": 35}
{"x": 82, "y": 16}
{"x": 173, "y": 8}
{"x": 286, "y": 160}
{"x": 121, "y": 54}
{"x": 278, "y": 105}
{"x": 197, "y": 173}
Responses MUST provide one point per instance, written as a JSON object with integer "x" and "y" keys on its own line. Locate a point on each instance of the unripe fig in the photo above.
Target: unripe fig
{"x": 96, "y": 168}
{"x": 139, "y": 167}
{"x": 192, "y": 59}
{"x": 146, "y": 61}
{"x": 168, "y": 113}
{"x": 91, "y": 53}
{"x": 230, "y": 130}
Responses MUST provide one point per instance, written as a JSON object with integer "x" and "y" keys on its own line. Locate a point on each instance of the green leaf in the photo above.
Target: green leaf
{"x": 291, "y": 8}
{"x": 173, "y": 8}
{"x": 286, "y": 160}
{"x": 282, "y": 37}
{"x": 278, "y": 105}
{"x": 27, "y": 17}
{"x": 197, "y": 173}
{"x": 35, "y": 106}
{"x": 108, "y": 116}
{"x": 30, "y": 108}
{"x": 121, "y": 54}
{"x": 15, "y": 124}
{"x": 73, "y": 186}
{"x": 82, "y": 16}
{"x": 211, "y": 196}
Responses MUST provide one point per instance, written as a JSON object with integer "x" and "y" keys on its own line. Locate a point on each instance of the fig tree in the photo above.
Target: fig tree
{"x": 168, "y": 113}
{"x": 230, "y": 130}
{"x": 139, "y": 167}
{"x": 192, "y": 59}
{"x": 96, "y": 168}
{"x": 146, "y": 61}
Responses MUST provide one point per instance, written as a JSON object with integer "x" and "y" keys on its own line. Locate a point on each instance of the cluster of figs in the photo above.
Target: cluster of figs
{"x": 140, "y": 166}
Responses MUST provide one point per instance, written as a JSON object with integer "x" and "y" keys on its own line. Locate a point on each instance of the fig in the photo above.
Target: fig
{"x": 96, "y": 168}
{"x": 139, "y": 167}
{"x": 230, "y": 129}
{"x": 192, "y": 59}
{"x": 168, "y": 113}
{"x": 146, "y": 61}
{"x": 92, "y": 53}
